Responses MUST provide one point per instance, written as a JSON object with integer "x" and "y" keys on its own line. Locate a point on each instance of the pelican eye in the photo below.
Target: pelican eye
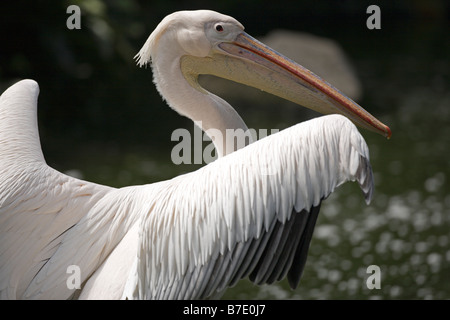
{"x": 219, "y": 27}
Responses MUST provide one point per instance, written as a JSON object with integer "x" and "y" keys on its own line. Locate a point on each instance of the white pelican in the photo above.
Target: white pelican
{"x": 197, "y": 234}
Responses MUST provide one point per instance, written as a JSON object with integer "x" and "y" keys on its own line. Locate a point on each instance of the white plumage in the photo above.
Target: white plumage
{"x": 251, "y": 213}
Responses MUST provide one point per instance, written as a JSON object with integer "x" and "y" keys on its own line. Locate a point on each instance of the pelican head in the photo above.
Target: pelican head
{"x": 189, "y": 43}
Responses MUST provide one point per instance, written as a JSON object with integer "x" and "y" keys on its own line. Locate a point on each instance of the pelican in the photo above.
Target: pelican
{"x": 249, "y": 214}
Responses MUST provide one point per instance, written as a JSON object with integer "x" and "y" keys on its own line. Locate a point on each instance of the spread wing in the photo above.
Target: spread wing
{"x": 38, "y": 205}
{"x": 249, "y": 214}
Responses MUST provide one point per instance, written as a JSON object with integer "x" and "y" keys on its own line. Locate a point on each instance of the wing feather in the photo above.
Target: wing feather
{"x": 258, "y": 221}
{"x": 301, "y": 252}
